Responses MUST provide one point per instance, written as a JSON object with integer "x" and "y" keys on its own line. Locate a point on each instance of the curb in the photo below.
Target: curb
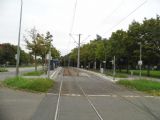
{"x": 55, "y": 73}
{"x": 100, "y": 75}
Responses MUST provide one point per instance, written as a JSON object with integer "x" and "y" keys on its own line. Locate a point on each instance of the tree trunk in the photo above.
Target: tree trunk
{"x": 43, "y": 63}
{"x": 120, "y": 67}
{"x": 148, "y": 70}
{"x": 127, "y": 66}
{"x": 35, "y": 59}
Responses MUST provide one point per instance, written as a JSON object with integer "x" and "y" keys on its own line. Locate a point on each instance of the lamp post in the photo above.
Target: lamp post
{"x": 114, "y": 67}
{"x": 19, "y": 36}
{"x": 140, "y": 59}
{"x": 49, "y": 61}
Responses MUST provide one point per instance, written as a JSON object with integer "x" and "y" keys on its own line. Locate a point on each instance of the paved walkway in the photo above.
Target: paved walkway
{"x": 18, "y": 105}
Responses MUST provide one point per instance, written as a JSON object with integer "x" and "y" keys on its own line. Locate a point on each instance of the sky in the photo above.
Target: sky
{"x": 91, "y": 17}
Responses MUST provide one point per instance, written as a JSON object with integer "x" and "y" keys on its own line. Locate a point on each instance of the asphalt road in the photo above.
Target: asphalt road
{"x": 18, "y": 105}
{"x": 12, "y": 72}
{"x": 79, "y": 95}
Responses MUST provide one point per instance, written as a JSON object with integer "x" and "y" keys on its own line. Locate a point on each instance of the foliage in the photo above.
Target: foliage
{"x": 39, "y": 45}
{"x": 125, "y": 46}
{"x": 38, "y": 84}
{"x": 55, "y": 53}
{"x": 8, "y": 52}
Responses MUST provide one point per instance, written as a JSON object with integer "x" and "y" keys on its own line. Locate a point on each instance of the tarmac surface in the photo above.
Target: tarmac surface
{"x": 18, "y": 105}
{"x": 80, "y": 95}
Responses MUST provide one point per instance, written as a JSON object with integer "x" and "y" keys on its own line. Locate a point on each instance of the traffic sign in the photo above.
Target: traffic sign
{"x": 140, "y": 62}
{"x": 16, "y": 56}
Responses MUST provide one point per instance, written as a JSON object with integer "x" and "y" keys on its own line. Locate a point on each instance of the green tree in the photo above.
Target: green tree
{"x": 8, "y": 52}
{"x": 35, "y": 45}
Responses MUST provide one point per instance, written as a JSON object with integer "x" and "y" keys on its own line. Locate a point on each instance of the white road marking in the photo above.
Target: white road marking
{"x": 132, "y": 96}
{"x": 51, "y": 94}
{"x": 91, "y": 103}
{"x": 57, "y": 107}
{"x": 99, "y": 95}
{"x": 72, "y": 95}
{"x": 149, "y": 96}
{"x": 114, "y": 95}
{"x": 107, "y": 95}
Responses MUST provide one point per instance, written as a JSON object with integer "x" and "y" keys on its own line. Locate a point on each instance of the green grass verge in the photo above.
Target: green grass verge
{"x": 153, "y": 73}
{"x": 148, "y": 86}
{"x": 36, "y": 84}
{"x": 34, "y": 73}
{"x": 118, "y": 75}
{"x": 3, "y": 70}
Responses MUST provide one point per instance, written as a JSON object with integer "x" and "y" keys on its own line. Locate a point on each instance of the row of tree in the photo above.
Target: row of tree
{"x": 124, "y": 45}
{"x": 39, "y": 45}
{"x": 8, "y": 52}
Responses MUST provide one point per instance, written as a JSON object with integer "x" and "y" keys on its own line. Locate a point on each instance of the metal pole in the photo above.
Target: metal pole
{"x": 114, "y": 67}
{"x": 105, "y": 63}
{"x": 78, "y": 59}
{"x": 140, "y": 57}
{"x": 19, "y": 36}
{"x": 49, "y": 61}
{"x": 68, "y": 61}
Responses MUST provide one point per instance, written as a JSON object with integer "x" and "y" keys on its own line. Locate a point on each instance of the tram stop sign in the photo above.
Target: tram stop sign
{"x": 15, "y": 56}
{"x": 140, "y": 62}
{"x": 104, "y": 61}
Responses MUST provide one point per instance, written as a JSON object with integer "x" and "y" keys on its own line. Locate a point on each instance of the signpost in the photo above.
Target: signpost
{"x": 114, "y": 66}
{"x": 140, "y": 68}
{"x": 140, "y": 58}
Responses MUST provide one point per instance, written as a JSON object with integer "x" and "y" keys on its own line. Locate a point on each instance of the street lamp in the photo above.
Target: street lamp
{"x": 140, "y": 59}
{"x": 19, "y": 36}
{"x": 49, "y": 61}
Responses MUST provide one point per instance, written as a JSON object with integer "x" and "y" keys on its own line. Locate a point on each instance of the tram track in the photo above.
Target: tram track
{"x": 142, "y": 108}
{"x": 88, "y": 98}
{"x": 77, "y": 82}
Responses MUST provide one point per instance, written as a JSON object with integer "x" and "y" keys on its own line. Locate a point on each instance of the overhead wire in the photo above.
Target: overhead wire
{"x": 72, "y": 23}
{"x": 112, "y": 12}
{"x": 127, "y": 16}
{"x": 110, "y": 15}
{"x": 74, "y": 14}
{"x": 85, "y": 39}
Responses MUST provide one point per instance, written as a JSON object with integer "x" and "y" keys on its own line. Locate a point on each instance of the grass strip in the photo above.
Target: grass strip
{"x": 34, "y": 73}
{"x": 3, "y": 70}
{"x": 118, "y": 75}
{"x": 109, "y": 73}
{"x": 144, "y": 85}
{"x": 31, "y": 84}
{"x": 153, "y": 73}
